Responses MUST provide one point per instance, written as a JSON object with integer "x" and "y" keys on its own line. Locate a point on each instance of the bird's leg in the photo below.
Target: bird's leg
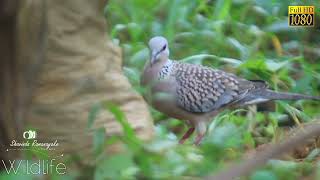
{"x": 186, "y": 135}
{"x": 201, "y": 131}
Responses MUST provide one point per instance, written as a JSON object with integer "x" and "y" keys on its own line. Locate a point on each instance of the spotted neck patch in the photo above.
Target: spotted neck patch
{"x": 165, "y": 70}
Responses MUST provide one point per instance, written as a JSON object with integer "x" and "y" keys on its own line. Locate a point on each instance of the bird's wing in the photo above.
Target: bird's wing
{"x": 201, "y": 89}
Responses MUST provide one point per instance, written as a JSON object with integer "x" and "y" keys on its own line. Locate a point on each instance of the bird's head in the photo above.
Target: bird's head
{"x": 159, "y": 49}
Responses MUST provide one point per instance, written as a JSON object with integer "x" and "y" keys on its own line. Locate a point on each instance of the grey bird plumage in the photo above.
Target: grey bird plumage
{"x": 196, "y": 93}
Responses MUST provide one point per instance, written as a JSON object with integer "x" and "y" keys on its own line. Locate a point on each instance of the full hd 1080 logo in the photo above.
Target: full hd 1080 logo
{"x": 301, "y": 16}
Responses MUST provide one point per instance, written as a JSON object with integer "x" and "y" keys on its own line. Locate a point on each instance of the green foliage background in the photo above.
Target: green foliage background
{"x": 250, "y": 38}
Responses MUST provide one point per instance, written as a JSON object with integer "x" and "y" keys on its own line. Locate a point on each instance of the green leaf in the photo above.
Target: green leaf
{"x": 283, "y": 165}
{"x": 263, "y": 175}
{"x": 139, "y": 58}
{"x": 313, "y": 155}
{"x": 255, "y": 64}
{"x": 133, "y": 75}
{"x": 128, "y": 132}
{"x": 198, "y": 59}
{"x": 275, "y": 66}
{"x": 99, "y": 138}
{"x": 248, "y": 139}
{"x": 93, "y": 114}
{"x": 222, "y": 9}
{"x": 118, "y": 166}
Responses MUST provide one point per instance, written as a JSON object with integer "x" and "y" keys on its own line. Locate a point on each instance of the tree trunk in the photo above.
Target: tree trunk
{"x": 58, "y": 64}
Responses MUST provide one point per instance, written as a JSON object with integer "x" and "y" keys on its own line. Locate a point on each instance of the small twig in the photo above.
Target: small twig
{"x": 249, "y": 165}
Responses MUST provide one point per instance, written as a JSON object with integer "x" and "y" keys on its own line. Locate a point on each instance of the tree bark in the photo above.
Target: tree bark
{"x": 58, "y": 64}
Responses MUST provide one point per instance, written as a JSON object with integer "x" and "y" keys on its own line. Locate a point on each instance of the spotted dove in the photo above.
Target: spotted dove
{"x": 196, "y": 93}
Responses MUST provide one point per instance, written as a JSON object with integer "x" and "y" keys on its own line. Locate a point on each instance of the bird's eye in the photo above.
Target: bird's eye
{"x": 164, "y": 47}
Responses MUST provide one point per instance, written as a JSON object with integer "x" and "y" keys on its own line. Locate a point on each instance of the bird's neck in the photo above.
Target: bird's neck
{"x": 153, "y": 71}
{"x": 165, "y": 70}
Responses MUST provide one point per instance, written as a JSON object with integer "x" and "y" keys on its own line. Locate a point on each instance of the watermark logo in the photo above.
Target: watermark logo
{"x": 31, "y": 142}
{"x": 34, "y": 167}
{"x": 301, "y": 16}
{"x": 30, "y": 134}
{"x": 48, "y": 166}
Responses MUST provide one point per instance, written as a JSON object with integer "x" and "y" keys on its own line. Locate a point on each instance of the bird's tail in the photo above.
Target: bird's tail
{"x": 272, "y": 95}
{"x": 264, "y": 95}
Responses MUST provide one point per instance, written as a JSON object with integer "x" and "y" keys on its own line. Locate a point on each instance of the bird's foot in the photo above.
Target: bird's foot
{"x": 186, "y": 135}
{"x": 198, "y": 139}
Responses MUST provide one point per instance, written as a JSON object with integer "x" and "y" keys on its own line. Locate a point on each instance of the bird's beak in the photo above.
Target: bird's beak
{"x": 154, "y": 55}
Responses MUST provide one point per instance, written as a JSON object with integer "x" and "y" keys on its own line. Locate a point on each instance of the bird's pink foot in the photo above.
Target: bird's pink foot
{"x": 198, "y": 139}
{"x": 186, "y": 135}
